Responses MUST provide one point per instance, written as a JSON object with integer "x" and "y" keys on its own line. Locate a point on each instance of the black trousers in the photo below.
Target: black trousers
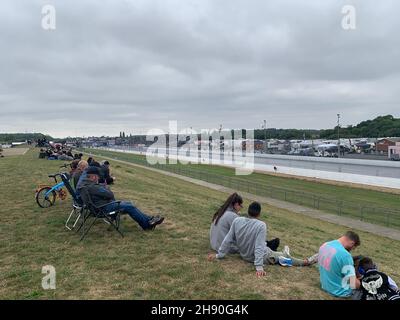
{"x": 273, "y": 244}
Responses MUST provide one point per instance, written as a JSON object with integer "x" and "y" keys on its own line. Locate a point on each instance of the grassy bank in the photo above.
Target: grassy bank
{"x": 169, "y": 263}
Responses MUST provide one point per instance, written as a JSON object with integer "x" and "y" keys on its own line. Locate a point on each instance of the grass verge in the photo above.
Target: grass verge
{"x": 169, "y": 263}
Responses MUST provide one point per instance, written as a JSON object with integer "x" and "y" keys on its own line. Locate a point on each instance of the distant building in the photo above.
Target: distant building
{"x": 259, "y": 145}
{"x": 279, "y": 146}
{"x": 383, "y": 145}
{"x": 394, "y": 151}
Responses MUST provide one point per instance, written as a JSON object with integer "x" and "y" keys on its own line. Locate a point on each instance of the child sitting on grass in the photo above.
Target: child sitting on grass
{"x": 376, "y": 285}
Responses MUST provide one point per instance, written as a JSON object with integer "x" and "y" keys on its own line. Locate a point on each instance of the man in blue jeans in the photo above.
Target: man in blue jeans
{"x": 102, "y": 195}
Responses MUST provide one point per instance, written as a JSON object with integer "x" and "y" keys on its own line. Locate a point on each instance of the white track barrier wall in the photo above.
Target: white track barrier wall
{"x": 368, "y": 171}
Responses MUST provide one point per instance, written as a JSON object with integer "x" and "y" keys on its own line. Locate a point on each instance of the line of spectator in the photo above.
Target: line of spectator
{"x": 59, "y": 154}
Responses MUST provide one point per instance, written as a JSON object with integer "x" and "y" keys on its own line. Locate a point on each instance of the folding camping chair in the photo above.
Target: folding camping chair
{"x": 77, "y": 205}
{"x": 91, "y": 211}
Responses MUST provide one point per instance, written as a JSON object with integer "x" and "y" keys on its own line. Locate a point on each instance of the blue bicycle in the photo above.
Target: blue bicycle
{"x": 46, "y": 195}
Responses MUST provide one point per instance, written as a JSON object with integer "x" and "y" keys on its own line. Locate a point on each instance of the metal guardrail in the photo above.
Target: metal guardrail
{"x": 365, "y": 212}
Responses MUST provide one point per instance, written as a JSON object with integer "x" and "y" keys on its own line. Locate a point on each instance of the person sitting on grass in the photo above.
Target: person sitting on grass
{"x": 89, "y": 160}
{"x": 102, "y": 195}
{"x": 376, "y": 285}
{"x": 64, "y": 156}
{"x": 336, "y": 266}
{"x": 92, "y": 162}
{"x": 48, "y": 152}
{"x": 248, "y": 235}
{"x": 222, "y": 222}
{"x": 105, "y": 173}
{"x": 51, "y": 155}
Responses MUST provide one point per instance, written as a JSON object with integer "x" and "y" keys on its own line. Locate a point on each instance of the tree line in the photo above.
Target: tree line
{"x": 383, "y": 126}
{"x": 7, "y": 138}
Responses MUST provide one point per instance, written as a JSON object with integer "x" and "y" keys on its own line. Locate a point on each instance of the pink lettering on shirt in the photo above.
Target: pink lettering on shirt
{"x": 326, "y": 254}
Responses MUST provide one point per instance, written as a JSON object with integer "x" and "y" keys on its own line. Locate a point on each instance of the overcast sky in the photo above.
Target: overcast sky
{"x": 115, "y": 65}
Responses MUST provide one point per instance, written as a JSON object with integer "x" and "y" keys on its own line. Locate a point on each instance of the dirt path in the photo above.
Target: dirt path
{"x": 317, "y": 214}
{"x": 14, "y": 152}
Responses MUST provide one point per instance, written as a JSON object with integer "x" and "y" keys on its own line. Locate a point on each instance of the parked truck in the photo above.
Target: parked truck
{"x": 395, "y": 157}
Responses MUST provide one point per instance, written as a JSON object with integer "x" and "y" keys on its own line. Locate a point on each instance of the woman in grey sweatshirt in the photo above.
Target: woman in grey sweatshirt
{"x": 222, "y": 221}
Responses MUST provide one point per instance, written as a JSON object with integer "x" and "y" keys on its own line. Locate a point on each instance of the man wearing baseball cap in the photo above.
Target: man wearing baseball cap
{"x": 102, "y": 195}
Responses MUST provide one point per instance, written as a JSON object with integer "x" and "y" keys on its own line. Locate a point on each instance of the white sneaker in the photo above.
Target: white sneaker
{"x": 286, "y": 251}
{"x": 313, "y": 259}
{"x": 285, "y": 262}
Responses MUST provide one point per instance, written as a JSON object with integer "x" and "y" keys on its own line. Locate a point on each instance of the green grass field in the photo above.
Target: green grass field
{"x": 169, "y": 263}
{"x": 360, "y": 203}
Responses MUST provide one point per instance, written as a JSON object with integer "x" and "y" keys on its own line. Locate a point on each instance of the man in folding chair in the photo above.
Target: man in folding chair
{"x": 102, "y": 195}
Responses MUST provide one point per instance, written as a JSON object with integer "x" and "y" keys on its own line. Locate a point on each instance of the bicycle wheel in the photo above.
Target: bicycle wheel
{"x": 45, "y": 201}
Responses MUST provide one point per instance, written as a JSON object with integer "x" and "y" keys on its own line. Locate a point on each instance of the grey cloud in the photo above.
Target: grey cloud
{"x": 135, "y": 64}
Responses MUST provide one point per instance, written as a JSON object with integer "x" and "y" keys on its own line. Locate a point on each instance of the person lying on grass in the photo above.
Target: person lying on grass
{"x": 222, "y": 222}
{"x": 336, "y": 266}
{"x": 102, "y": 195}
{"x": 248, "y": 235}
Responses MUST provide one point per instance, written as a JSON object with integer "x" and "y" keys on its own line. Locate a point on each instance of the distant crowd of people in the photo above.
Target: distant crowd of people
{"x": 59, "y": 153}
{"x": 42, "y": 143}
{"x": 341, "y": 275}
